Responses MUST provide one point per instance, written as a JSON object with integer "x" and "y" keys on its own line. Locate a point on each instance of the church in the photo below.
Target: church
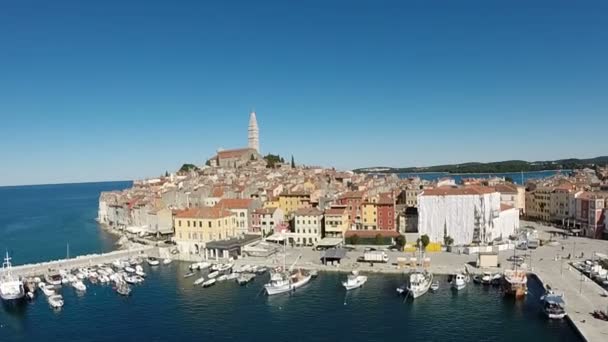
{"x": 235, "y": 158}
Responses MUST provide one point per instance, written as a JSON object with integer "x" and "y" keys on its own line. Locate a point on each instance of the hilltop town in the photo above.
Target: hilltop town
{"x": 239, "y": 193}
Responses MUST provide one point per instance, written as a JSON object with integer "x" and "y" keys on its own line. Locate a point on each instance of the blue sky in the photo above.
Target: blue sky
{"x": 112, "y": 90}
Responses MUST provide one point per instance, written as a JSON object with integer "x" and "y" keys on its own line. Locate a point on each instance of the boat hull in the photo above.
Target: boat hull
{"x": 274, "y": 290}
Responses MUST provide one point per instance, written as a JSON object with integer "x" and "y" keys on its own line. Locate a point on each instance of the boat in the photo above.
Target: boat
{"x": 459, "y": 282}
{"x": 553, "y": 305}
{"x": 213, "y": 274}
{"x": 435, "y": 286}
{"x": 55, "y": 301}
{"x": 167, "y": 261}
{"x": 79, "y": 286}
{"x": 189, "y": 274}
{"x": 53, "y": 279}
{"x": 232, "y": 276}
{"x": 420, "y": 282}
{"x": 354, "y": 281}
{"x": 496, "y": 278}
{"x": 515, "y": 282}
{"x": 48, "y": 290}
{"x": 30, "y": 295}
{"x": 123, "y": 289}
{"x": 245, "y": 278}
{"x": 11, "y": 287}
{"x": 141, "y": 273}
{"x": 261, "y": 270}
{"x": 402, "y": 289}
{"x": 486, "y": 278}
{"x": 199, "y": 266}
{"x": 209, "y": 282}
{"x": 153, "y": 261}
{"x": 477, "y": 279}
{"x": 224, "y": 267}
{"x": 130, "y": 269}
{"x": 314, "y": 274}
{"x": 222, "y": 277}
{"x": 199, "y": 281}
{"x": 281, "y": 282}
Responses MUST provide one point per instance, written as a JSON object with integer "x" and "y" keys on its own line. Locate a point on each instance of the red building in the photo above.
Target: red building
{"x": 352, "y": 200}
{"x": 385, "y": 209}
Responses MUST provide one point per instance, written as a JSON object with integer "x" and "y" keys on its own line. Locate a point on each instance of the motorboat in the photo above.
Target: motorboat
{"x": 79, "y": 286}
{"x": 420, "y": 282}
{"x": 55, "y": 301}
{"x": 153, "y": 261}
{"x": 222, "y": 277}
{"x": 199, "y": 281}
{"x": 402, "y": 289}
{"x": 553, "y": 305}
{"x": 53, "y": 279}
{"x": 261, "y": 270}
{"x": 11, "y": 287}
{"x": 213, "y": 274}
{"x": 199, "y": 266}
{"x": 459, "y": 282}
{"x": 486, "y": 278}
{"x": 189, "y": 274}
{"x": 232, "y": 276}
{"x": 435, "y": 286}
{"x": 354, "y": 281}
{"x": 129, "y": 269}
{"x": 209, "y": 282}
{"x": 496, "y": 278}
{"x": 245, "y": 278}
{"x": 47, "y": 289}
{"x": 141, "y": 273}
{"x": 167, "y": 261}
{"x": 224, "y": 267}
{"x": 123, "y": 289}
{"x": 281, "y": 282}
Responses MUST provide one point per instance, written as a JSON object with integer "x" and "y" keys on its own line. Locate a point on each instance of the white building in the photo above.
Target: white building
{"x": 243, "y": 209}
{"x": 265, "y": 220}
{"x": 308, "y": 226}
{"x": 467, "y": 214}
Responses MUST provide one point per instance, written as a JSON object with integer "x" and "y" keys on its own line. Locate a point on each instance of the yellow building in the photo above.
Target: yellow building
{"x": 336, "y": 222}
{"x": 290, "y": 202}
{"x": 538, "y": 203}
{"x": 369, "y": 215}
{"x": 195, "y": 227}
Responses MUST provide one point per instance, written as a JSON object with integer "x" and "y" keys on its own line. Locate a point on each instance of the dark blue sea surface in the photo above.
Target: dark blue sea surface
{"x": 518, "y": 177}
{"x": 37, "y": 221}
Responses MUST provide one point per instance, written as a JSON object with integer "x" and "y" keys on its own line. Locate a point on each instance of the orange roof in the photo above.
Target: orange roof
{"x": 335, "y": 211}
{"x": 372, "y": 233}
{"x": 506, "y": 188}
{"x": 309, "y": 212}
{"x": 504, "y": 207}
{"x": 455, "y": 191}
{"x": 235, "y": 153}
{"x": 352, "y": 194}
{"x": 217, "y": 192}
{"x": 234, "y": 203}
{"x": 204, "y": 213}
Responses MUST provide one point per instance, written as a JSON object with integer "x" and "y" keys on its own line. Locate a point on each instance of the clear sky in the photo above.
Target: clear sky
{"x": 109, "y": 90}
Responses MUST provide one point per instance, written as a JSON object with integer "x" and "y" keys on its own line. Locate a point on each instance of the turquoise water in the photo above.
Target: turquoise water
{"x": 168, "y": 307}
{"x": 517, "y": 177}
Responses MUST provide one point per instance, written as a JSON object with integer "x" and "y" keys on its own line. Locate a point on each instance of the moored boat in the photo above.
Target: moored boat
{"x": 209, "y": 282}
{"x": 55, "y": 301}
{"x": 281, "y": 282}
{"x": 354, "y": 281}
{"x": 554, "y": 305}
{"x": 420, "y": 283}
{"x": 245, "y": 278}
{"x": 459, "y": 282}
{"x": 514, "y": 282}
{"x": 153, "y": 261}
{"x": 11, "y": 287}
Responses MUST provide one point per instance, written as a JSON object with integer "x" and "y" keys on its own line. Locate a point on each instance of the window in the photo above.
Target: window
{"x": 200, "y": 224}
{"x": 188, "y": 222}
{"x": 209, "y": 224}
{"x": 179, "y": 223}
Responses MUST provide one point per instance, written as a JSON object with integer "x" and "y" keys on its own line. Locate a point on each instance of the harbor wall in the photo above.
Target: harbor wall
{"x": 42, "y": 268}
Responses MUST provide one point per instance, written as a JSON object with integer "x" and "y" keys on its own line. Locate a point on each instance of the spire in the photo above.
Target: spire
{"x": 254, "y": 133}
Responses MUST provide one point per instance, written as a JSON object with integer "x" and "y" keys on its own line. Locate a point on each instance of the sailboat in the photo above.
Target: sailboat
{"x": 515, "y": 281}
{"x": 420, "y": 281}
{"x": 283, "y": 280}
{"x": 11, "y": 287}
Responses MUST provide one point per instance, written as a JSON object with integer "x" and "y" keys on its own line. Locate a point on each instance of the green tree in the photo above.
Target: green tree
{"x": 293, "y": 163}
{"x": 509, "y": 180}
{"x": 166, "y": 173}
{"x": 188, "y": 168}
{"x": 252, "y": 158}
{"x": 208, "y": 162}
{"x": 400, "y": 241}
{"x": 378, "y": 240}
{"x": 424, "y": 240}
{"x": 448, "y": 240}
{"x": 354, "y": 239}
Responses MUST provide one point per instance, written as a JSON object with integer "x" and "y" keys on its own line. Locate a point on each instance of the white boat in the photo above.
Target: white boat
{"x": 141, "y": 273}
{"x": 199, "y": 266}
{"x": 420, "y": 282}
{"x": 486, "y": 278}
{"x": 167, "y": 261}
{"x": 199, "y": 281}
{"x": 55, "y": 301}
{"x": 354, "y": 280}
{"x": 222, "y": 277}
{"x": 213, "y": 274}
{"x": 435, "y": 286}
{"x": 209, "y": 282}
{"x": 245, "y": 278}
{"x": 224, "y": 267}
{"x": 189, "y": 274}
{"x": 281, "y": 282}
{"x": 232, "y": 276}
{"x": 130, "y": 269}
{"x": 123, "y": 289}
{"x": 11, "y": 287}
{"x": 153, "y": 261}
{"x": 554, "y": 306}
{"x": 459, "y": 282}
{"x": 401, "y": 289}
{"x": 79, "y": 286}
{"x": 48, "y": 290}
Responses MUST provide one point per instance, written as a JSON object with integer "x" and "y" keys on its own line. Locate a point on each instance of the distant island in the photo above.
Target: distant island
{"x": 496, "y": 167}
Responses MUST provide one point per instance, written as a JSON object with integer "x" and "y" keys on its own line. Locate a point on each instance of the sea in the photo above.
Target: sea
{"x": 517, "y": 177}
{"x": 36, "y": 223}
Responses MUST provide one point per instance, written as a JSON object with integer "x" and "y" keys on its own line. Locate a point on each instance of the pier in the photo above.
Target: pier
{"x": 30, "y": 270}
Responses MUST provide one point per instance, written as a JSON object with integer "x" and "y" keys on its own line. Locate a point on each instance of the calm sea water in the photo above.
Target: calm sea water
{"x": 168, "y": 307}
{"x": 517, "y": 177}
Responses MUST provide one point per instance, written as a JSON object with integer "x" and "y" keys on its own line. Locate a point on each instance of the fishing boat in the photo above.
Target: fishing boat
{"x": 553, "y": 305}
{"x": 55, "y": 301}
{"x": 153, "y": 261}
{"x": 129, "y": 269}
{"x": 209, "y": 282}
{"x": 281, "y": 282}
{"x": 224, "y": 267}
{"x": 420, "y": 283}
{"x": 459, "y": 282}
{"x": 354, "y": 281}
{"x": 11, "y": 287}
{"x": 515, "y": 282}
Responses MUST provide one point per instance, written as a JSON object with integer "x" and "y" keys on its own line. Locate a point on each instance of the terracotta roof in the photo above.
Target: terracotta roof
{"x": 295, "y": 194}
{"x": 217, "y": 192}
{"x": 504, "y": 207}
{"x": 235, "y": 153}
{"x": 234, "y": 203}
{"x": 372, "y": 233}
{"x": 309, "y": 212}
{"x": 335, "y": 211}
{"x": 506, "y": 188}
{"x": 265, "y": 211}
{"x": 455, "y": 191}
{"x": 352, "y": 194}
{"x": 205, "y": 213}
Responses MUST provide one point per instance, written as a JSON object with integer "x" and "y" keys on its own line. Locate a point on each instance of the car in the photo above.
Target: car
{"x": 369, "y": 249}
{"x": 515, "y": 258}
